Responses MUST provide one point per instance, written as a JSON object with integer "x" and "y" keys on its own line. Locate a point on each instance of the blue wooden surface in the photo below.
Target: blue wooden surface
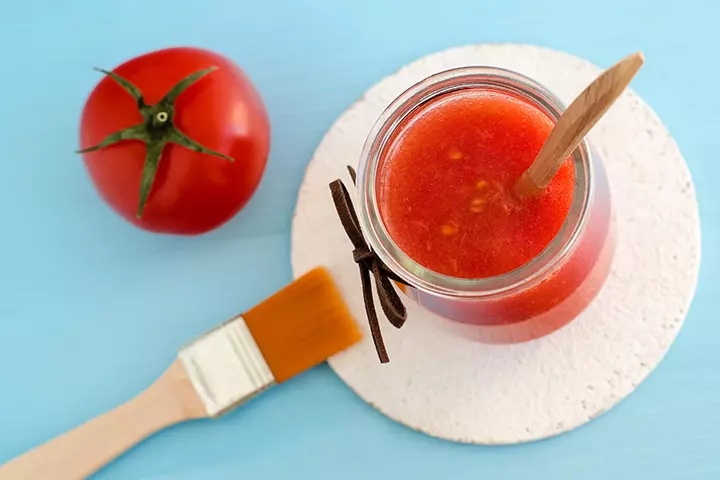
{"x": 92, "y": 309}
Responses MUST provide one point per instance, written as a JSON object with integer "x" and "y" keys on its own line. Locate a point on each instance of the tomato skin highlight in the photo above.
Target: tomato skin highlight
{"x": 193, "y": 192}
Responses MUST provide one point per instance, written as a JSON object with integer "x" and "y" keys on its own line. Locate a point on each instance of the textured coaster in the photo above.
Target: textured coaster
{"x": 450, "y": 386}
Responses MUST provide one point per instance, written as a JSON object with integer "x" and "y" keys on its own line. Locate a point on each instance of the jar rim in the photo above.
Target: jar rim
{"x": 418, "y": 95}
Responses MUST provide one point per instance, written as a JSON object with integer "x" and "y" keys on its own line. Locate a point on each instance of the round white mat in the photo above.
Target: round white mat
{"x": 450, "y": 386}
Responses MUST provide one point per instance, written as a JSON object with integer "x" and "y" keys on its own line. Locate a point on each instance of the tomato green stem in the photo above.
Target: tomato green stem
{"x": 152, "y": 160}
{"x": 156, "y": 130}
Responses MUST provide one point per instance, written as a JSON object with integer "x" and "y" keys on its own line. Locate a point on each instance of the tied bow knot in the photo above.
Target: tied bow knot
{"x": 368, "y": 262}
{"x": 360, "y": 255}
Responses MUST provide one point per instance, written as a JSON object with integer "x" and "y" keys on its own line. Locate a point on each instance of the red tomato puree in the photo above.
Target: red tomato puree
{"x": 446, "y": 182}
{"x": 445, "y": 195}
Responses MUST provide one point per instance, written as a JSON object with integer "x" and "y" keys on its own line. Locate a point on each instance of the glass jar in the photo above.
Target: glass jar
{"x": 543, "y": 294}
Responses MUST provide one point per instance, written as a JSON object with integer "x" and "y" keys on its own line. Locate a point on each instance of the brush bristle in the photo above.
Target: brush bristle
{"x": 302, "y": 325}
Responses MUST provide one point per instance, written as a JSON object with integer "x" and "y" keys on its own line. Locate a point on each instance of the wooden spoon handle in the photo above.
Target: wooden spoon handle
{"x": 576, "y": 121}
{"x": 81, "y": 452}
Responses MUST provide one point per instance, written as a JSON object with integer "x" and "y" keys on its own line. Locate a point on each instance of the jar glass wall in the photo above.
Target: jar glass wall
{"x": 541, "y": 295}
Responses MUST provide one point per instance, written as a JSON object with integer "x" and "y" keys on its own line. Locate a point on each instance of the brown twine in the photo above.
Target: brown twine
{"x": 369, "y": 262}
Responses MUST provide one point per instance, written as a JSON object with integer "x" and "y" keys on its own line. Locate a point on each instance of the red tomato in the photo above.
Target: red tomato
{"x": 192, "y": 192}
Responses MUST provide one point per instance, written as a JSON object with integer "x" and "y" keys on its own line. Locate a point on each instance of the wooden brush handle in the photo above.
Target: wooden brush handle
{"x": 576, "y": 122}
{"x": 81, "y": 452}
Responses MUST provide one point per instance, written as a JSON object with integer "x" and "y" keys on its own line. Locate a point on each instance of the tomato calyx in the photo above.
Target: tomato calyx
{"x": 156, "y": 130}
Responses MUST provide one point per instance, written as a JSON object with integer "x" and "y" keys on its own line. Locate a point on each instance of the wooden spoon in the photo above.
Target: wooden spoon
{"x": 575, "y": 122}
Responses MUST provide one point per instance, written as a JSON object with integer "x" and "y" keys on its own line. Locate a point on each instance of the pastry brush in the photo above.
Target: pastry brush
{"x": 292, "y": 331}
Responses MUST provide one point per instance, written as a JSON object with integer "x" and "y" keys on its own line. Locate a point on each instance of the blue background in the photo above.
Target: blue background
{"x": 92, "y": 309}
